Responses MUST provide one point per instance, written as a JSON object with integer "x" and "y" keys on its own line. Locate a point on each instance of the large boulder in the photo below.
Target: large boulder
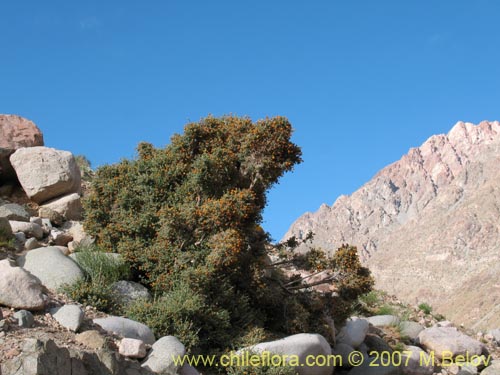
{"x": 161, "y": 357}
{"x": 51, "y": 267}
{"x": 383, "y": 320}
{"x": 492, "y": 369}
{"x": 411, "y": 330}
{"x": 354, "y": 332}
{"x": 126, "y": 328}
{"x": 46, "y": 173}
{"x": 416, "y": 362}
{"x": 19, "y": 289}
{"x": 15, "y": 132}
{"x": 300, "y": 346}
{"x": 68, "y": 206}
{"x": 448, "y": 341}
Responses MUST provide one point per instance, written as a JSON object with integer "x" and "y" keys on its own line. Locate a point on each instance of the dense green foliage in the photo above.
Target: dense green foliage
{"x": 186, "y": 217}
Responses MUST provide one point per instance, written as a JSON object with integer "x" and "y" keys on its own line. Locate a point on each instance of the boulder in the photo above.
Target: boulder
{"x": 492, "y": 369}
{"x": 13, "y": 211}
{"x": 383, "y": 320}
{"x": 371, "y": 366}
{"x": 69, "y": 316}
{"x": 19, "y": 289}
{"x": 129, "y": 291}
{"x": 416, "y": 362}
{"x": 410, "y": 330}
{"x": 15, "y": 132}
{"x": 126, "y": 328}
{"x": 376, "y": 344}
{"x": 46, "y": 173}
{"x": 301, "y": 345}
{"x": 51, "y": 267}
{"x": 446, "y": 341}
{"x": 132, "y": 348}
{"x": 160, "y": 358}
{"x": 29, "y": 229}
{"x": 68, "y": 206}
{"x": 343, "y": 351}
{"x": 354, "y": 332}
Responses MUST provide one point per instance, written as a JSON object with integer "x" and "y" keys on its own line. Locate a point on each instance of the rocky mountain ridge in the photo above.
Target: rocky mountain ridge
{"x": 427, "y": 225}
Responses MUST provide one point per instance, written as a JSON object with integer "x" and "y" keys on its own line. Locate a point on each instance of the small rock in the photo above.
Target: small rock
{"x": 29, "y": 229}
{"x": 51, "y": 215}
{"x": 36, "y": 220}
{"x": 24, "y": 318}
{"x": 383, "y": 320}
{"x": 13, "y": 211}
{"x": 31, "y": 244}
{"x": 69, "y": 316}
{"x": 91, "y": 339}
{"x": 60, "y": 238}
{"x": 126, "y": 328}
{"x": 410, "y": 330}
{"x": 132, "y": 348}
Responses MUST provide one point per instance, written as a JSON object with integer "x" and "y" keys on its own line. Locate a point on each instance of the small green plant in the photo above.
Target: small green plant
{"x": 105, "y": 268}
{"x": 385, "y": 310}
{"x": 399, "y": 347}
{"x": 101, "y": 270}
{"x": 369, "y": 299}
{"x": 426, "y": 308}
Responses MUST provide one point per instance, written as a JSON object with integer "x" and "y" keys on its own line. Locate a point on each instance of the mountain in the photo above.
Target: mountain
{"x": 428, "y": 225}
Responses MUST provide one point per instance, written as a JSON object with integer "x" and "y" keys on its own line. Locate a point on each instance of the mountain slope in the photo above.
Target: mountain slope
{"x": 428, "y": 226}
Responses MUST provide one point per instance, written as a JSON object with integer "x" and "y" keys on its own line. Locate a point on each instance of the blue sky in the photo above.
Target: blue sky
{"x": 361, "y": 81}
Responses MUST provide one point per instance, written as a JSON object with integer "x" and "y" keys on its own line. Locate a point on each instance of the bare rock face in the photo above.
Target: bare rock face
{"x": 46, "y": 173}
{"x": 15, "y": 132}
{"x": 427, "y": 225}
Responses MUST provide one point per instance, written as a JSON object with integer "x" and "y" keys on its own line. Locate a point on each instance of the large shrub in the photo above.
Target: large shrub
{"x": 186, "y": 217}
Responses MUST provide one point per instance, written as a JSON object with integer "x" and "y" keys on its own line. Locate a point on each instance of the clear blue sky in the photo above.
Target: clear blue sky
{"x": 361, "y": 81}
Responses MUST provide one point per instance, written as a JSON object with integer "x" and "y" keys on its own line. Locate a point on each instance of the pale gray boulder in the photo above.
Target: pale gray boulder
{"x": 46, "y": 173}
{"x": 126, "y": 328}
{"x": 69, "y": 316}
{"x": 68, "y": 206}
{"x": 160, "y": 359}
{"x": 51, "y": 267}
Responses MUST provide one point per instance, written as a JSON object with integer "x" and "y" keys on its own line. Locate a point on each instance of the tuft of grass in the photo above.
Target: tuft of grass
{"x": 101, "y": 270}
{"x": 426, "y": 308}
{"x": 101, "y": 267}
{"x": 369, "y": 299}
{"x": 385, "y": 310}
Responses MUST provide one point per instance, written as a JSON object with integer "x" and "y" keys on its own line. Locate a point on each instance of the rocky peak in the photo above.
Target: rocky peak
{"x": 451, "y": 180}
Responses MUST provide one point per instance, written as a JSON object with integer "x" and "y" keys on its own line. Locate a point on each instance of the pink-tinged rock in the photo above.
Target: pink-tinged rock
{"x": 17, "y": 132}
{"x": 132, "y": 348}
{"x": 46, "y": 173}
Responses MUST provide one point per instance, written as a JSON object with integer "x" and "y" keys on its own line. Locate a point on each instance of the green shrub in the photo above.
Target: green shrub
{"x": 187, "y": 218}
{"x": 426, "y": 308}
{"x": 92, "y": 294}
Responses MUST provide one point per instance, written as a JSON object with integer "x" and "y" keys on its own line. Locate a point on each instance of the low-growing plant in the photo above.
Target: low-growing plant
{"x": 425, "y": 307}
{"x": 100, "y": 270}
{"x": 385, "y": 310}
